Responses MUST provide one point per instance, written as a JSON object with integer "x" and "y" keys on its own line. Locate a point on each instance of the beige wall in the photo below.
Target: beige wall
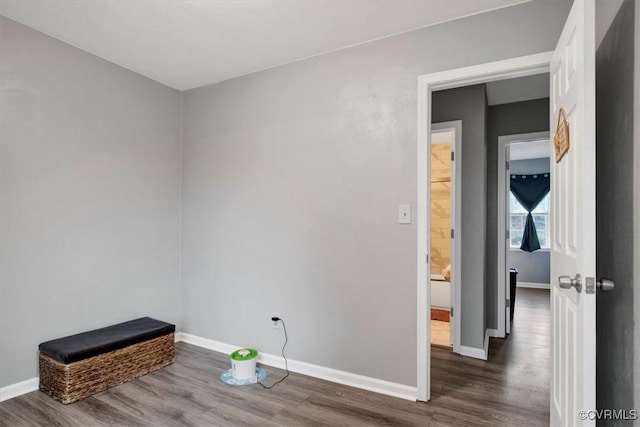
{"x": 440, "y": 207}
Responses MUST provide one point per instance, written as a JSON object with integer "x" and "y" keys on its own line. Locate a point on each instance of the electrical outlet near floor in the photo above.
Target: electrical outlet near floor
{"x": 275, "y": 325}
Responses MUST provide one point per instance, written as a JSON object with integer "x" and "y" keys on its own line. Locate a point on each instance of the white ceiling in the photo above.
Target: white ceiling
{"x": 189, "y": 43}
{"x": 518, "y": 89}
{"x": 530, "y": 150}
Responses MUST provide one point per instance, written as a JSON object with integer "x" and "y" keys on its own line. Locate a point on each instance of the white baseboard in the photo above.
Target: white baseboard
{"x": 487, "y": 335}
{"x": 17, "y": 389}
{"x": 533, "y": 285}
{"x": 493, "y": 333}
{"x": 476, "y": 353}
{"x": 479, "y": 353}
{"x": 341, "y": 377}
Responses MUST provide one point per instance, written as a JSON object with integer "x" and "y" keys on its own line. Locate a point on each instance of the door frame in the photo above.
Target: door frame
{"x": 503, "y": 279}
{"x": 476, "y": 74}
{"x": 456, "y": 224}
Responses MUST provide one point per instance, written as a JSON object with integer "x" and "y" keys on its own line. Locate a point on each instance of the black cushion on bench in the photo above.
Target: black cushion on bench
{"x": 88, "y": 344}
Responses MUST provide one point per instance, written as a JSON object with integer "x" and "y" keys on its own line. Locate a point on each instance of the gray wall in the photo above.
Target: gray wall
{"x": 89, "y": 192}
{"x": 614, "y": 218}
{"x": 533, "y": 267}
{"x": 469, "y": 104}
{"x": 292, "y": 178}
{"x": 291, "y": 186}
{"x": 506, "y": 119}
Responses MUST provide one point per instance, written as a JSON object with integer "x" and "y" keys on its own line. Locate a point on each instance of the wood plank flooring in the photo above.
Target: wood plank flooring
{"x": 511, "y": 388}
{"x": 441, "y": 334}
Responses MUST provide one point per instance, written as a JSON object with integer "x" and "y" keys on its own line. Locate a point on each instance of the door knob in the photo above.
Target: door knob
{"x": 566, "y": 282}
{"x": 605, "y": 285}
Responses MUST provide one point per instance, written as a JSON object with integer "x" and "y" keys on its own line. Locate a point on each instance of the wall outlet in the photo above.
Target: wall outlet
{"x": 275, "y": 325}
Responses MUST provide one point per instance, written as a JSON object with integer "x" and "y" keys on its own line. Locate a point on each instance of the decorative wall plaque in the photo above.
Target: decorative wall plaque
{"x": 561, "y": 138}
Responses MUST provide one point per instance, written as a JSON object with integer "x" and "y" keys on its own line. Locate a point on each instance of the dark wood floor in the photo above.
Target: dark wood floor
{"x": 511, "y": 388}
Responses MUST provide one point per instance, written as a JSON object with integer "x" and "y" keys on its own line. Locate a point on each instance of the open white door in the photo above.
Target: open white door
{"x": 573, "y": 225}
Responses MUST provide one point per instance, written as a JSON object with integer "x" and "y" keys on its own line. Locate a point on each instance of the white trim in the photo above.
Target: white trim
{"x": 476, "y": 353}
{"x": 486, "y": 344}
{"x": 479, "y": 353}
{"x": 454, "y": 126}
{"x": 483, "y": 73}
{"x": 504, "y": 141}
{"x": 489, "y": 72}
{"x": 341, "y": 377}
{"x": 423, "y": 300}
{"x": 493, "y": 333}
{"x": 18, "y": 389}
{"x": 533, "y": 285}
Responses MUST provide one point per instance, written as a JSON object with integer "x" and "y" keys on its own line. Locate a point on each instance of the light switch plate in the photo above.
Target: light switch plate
{"x": 404, "y": 214}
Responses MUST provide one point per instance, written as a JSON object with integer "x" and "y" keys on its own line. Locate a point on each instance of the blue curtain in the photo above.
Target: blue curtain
{"x": 529, "y": 190}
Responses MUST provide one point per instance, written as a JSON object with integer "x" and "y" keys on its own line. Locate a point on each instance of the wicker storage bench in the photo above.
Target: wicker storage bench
{"x": 78, "y": 366}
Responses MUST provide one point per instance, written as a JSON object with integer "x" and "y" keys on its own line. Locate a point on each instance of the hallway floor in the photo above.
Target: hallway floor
{"x": 512, "y": 387}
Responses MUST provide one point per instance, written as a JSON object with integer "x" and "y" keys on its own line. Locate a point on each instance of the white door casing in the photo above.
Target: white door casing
{"x": 504, "y": 247}
{"x": 573, "y": 239}
{"x": 441, "y": 80}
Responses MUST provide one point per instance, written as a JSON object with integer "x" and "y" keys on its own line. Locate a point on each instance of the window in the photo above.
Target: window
{"x": 518, "y": 216}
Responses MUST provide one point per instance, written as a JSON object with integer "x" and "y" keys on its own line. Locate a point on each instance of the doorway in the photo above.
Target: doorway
{"x": 445, "y": 194}
{"x": 511, "y": 68}
{"x": 521, "y": 157}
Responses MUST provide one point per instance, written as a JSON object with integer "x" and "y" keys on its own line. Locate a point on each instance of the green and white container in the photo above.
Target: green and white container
{"x": 243, "y": 363}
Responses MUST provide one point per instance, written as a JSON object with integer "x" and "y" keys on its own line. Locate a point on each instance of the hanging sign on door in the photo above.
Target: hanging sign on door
{"x": 561, "y": 138}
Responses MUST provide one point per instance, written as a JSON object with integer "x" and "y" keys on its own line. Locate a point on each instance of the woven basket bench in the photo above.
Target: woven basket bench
{"x": 81, "y": 365}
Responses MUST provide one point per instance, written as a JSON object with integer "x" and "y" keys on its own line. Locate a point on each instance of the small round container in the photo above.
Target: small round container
{"x": 243, "y": 363}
